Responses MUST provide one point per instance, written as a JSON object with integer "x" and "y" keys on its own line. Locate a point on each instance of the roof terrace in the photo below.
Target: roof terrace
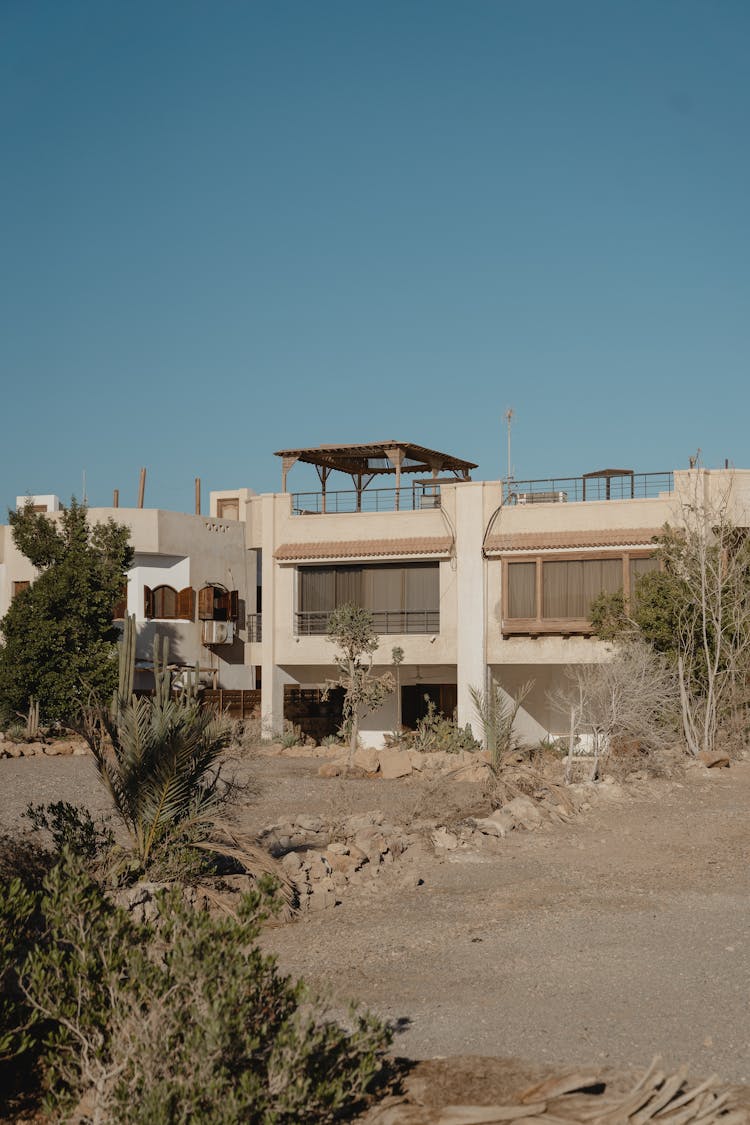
{"x": 367, "y": 462}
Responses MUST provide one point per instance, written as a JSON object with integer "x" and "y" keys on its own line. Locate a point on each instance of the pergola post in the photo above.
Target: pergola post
{"x": 396, "y": 455}
{"x": 286, "y": 464}
{"x": 323, "y": 472}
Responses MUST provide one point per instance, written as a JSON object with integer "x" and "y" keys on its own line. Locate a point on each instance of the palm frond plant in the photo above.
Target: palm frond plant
{"x": 496, "y": 712}
{"x": 159, "y": 758}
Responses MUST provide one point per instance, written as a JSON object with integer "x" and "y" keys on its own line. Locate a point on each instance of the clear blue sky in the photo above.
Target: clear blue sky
{"x": 233, "y": 227}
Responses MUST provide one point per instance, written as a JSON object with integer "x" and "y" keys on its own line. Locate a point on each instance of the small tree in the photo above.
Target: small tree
{"x": 351, "y": 628}
{"x": 632, "y": 696}
{"x": 58, "y": 635}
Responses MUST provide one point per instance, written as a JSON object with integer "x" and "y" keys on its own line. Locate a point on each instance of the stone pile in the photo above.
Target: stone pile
{"x": 522, "y": 812}
{"x": 57, "y": 747}
{"x": 322, "y": 860}
{"x": 391, "y": 764}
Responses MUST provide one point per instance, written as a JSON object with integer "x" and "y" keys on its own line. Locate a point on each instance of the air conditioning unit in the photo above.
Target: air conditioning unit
{"x": 217, "y": 632}
{"x": 541, "y": 497}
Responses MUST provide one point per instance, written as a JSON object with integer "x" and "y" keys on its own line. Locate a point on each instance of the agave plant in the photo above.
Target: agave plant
{"x": 159, "y": 759}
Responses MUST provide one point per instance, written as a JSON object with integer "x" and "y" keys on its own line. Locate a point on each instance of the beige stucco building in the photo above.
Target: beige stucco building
{"x": 470, "y": 579}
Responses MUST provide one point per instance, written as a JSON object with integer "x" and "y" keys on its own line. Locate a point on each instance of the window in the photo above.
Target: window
{"x": 402, "y": 597}
{"x": 167, "y": 604}
{"x": 19, "y": 587}
{"x": 228, "y": 509}
{"x": 215, "y": 603}
{"x": 554, "y": 595}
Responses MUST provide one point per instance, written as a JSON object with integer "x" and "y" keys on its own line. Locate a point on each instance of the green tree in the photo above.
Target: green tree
{"x": 351, "y": 628}
{"x": 58, "y": 635}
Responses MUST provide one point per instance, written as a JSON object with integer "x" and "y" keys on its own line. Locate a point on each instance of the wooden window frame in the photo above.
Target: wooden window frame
{"x": 184, "y": 603}
{"x": 217, "y": 599}
{"x": 19, "y": 586}
{"x": 560, "y": 626}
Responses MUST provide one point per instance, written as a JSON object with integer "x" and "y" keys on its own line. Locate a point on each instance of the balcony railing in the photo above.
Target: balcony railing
{"x": 408, "y": 498}
{"x": 254, "y": 627}
{"x": 424, "y": 621}
{"x": 561, "y": 490}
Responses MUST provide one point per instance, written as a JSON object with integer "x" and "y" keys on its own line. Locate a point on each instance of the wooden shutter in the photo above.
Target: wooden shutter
{"x": 206, "y": 603}
{"x": 148, "y": 601}
{"x": 19, "y": 587}
{"x": 234, "y": 605}
{"x": 186, "y": 604}
{"x": 121, "y": 605}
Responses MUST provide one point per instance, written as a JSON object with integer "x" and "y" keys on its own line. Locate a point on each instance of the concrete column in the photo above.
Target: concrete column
{"x": 272, "y": 680}
{"x": 471, "y": 611}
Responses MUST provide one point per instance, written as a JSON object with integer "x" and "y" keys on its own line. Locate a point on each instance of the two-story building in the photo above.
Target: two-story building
{"x": 470, "y": 580}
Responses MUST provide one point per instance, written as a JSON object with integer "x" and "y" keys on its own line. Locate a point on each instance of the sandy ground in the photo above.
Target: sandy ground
{"x": 604, "y": 941}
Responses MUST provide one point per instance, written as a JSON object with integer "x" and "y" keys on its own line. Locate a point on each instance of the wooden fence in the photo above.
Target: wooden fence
{"x": 240, "y": 703}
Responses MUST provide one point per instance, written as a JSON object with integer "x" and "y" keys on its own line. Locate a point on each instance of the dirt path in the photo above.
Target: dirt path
{"x": 608, "y": 940}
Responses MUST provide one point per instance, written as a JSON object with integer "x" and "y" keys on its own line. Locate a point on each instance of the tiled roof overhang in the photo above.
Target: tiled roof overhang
{"x": 432, "y": 546}
{"x": 570, "y": 540}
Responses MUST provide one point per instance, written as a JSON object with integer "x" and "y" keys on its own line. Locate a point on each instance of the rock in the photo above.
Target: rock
{"x": 474, "y": 771}
{"x": 417, "y": 759}
{"x": 12, "y": 749}
{"x": 713, "y": 760}
{"x": 367, "y": 760}
{"x": 321, "y": 899}
{"x": 525, "y": 812}
{"x": 330, "y": 769}
{"x": 51, "y": 750}
{"x": 27, "y": 749}
{"x": 343, "y": 865}
{"x": 81, "y": 749}
{"x": 362, "y": 821}
{"x": 291, "y": 862}
{"x": 442, "y": 838}
{"x": 394, "y": 763}
{"x": 67, "y": 748}
{"x": 309, "y": 823}
{"x": 490, "y": 826}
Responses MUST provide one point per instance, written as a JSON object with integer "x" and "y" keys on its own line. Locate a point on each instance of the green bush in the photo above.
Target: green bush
{"x": 436, "y": 733}
{"x": 74, "y": 827}
{"x": 182, "y": 1019}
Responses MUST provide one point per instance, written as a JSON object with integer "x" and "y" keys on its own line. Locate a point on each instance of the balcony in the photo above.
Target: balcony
{"x": 609, "y": 484}
{"x": 417, "y": 497}
{"x": 254, "y": 623}
{"x": 409, "y": 621}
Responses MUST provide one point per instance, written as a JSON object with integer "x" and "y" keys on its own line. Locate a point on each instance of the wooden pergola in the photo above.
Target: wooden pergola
{"x": 368, "y": 460}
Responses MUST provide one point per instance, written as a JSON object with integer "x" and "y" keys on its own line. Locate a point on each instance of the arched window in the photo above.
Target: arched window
{"x": 167, "y": 604}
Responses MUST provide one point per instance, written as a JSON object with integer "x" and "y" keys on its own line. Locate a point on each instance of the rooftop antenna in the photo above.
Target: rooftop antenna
{"x": 508, "y": 422}
{"x": 695, "y": 460}
{"x": 85, "y": 498}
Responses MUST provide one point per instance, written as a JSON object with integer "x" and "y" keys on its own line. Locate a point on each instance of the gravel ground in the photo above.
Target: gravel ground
{"x": 604, "y": 941}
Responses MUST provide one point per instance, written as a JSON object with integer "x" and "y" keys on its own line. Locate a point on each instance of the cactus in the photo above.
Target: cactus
{"x": 162, "y": 674}
{"x": 32, "y": 719}
{"x": 126, "y": 662}
{"x": 127, "y": 659}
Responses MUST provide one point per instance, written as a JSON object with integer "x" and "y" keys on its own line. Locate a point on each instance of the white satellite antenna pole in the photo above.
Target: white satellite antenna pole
{"x": 508, "y": 422}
